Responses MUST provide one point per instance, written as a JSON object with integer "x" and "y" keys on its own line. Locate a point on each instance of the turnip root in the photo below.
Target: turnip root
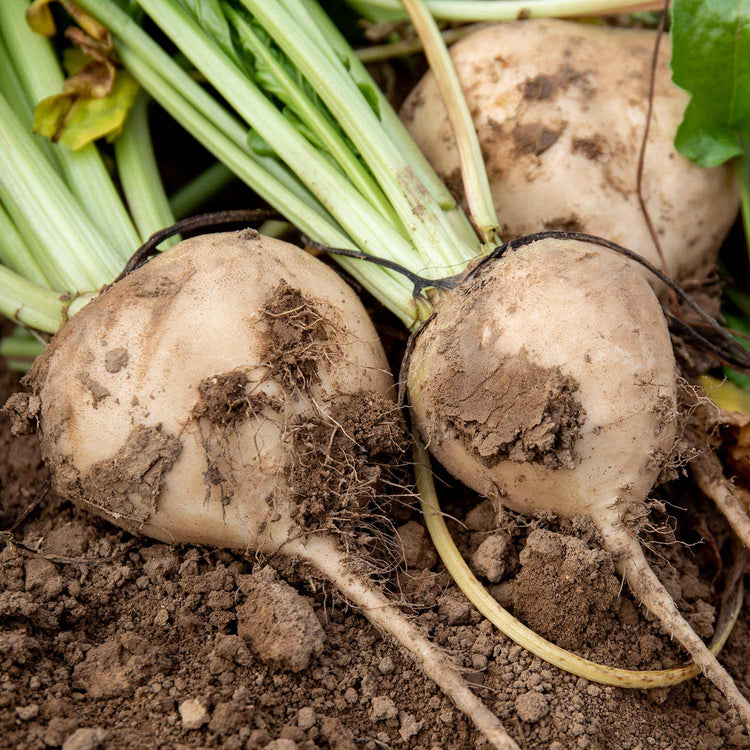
{"x": 559, "y": 395}
{"x": 560, "y": 111}
{"x": 233, "y": 392}
{"x": 709, "y": 476}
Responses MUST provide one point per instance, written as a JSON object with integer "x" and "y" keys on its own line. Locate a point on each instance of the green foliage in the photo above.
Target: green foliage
{"x": 229, "y": 24}
{"x": 741, "y": 325}
{"x": 711, "y": 60}
{"x": 212, "y": 20}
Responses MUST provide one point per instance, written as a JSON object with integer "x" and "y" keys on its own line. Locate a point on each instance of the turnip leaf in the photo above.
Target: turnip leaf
{"x": 711, "y": 60}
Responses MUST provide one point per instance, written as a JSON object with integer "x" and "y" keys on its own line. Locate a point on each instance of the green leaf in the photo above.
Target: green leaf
{"x": 743, "y": 326}
{"x": 371, "y": 97}
{"x": 711, "y": 60}
{"x": 259, "y": 145}
{"x": 262, "y": 74}
{"x": 211, "y": 18}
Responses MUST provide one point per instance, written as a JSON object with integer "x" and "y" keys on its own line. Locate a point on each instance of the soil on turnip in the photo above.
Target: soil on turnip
{"x": 113, "y": 639}
{"x": 301, "y": 335}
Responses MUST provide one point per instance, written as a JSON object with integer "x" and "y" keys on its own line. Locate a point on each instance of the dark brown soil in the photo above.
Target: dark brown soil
{"x": 541, "y": 415}
{"x": 110, "y": 640}
{"x": 300, "y": 336}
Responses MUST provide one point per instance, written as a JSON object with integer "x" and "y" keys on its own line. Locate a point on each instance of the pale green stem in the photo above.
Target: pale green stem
{"x": 28, "y": 235}
{"x": 330, "y": 41}
{"x": 441, "y": 251}
{"x": 329, "y": 38}
{"x": 185, "y": 201}
{"x": 30, "y": 304}
{"x": 68, "y": 245}
{"x": 15, "y": 253}
{"x": 21, "y": 348}
{"x": 508, "y": 10}
{"x": 404, "y": 47}
{"x": 473, "y": 172}
{"x": 300, "y": 104}
{"x": 139, "y": 175}
{"x": 275, "y": 228}
{"x": 392, "y": 290}
{"x": 13, "y": 90}
{"x": 84, "y": 170}
{"x": 358, "y": 217}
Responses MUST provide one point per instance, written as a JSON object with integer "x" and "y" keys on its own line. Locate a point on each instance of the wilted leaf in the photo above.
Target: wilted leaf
{"x": 726, "y": 395}
{"x": 96, "y": 49}
{"x": 88, "y": 23}
{"x": 75, "y": 120}
{"x": 39, "y": 17}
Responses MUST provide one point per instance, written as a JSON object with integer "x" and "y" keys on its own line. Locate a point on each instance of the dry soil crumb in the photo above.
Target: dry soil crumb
{"x": 279, "y": 622}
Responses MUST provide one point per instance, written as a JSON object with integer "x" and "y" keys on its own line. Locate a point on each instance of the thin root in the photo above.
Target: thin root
{"x": 710, "y": 477}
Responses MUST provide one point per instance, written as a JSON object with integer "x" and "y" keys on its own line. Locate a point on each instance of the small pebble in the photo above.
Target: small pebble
{"x": 532, "y": 707}
{"x": 26, "y": 713}
{"x": 306, "y": 718}
{"x": 386, "y": 666}
{"x": 383, "y": 708}
{"x": 193, "y": 714}
{"x": 494, "y": 557}
{"x": 479, "y": 661}
{"x": 87, "y": 738}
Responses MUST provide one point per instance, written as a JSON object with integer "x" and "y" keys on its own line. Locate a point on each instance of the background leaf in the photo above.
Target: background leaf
{"x": 711, "y": 60}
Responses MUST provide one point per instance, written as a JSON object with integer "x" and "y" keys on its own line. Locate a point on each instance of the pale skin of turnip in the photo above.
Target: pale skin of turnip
{"x": 558, "y": 393}
{"x": 116, "y": 392}
{"x": 560, "y": 111}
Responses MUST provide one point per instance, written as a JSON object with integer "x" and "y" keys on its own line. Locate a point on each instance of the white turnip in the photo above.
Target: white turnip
{"x": 233, "y": 392}
{"x": 557, "y": 392}
{"x": 560, "y": 110}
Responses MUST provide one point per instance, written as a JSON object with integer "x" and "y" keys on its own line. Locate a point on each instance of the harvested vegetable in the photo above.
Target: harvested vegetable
{"x": 540, "y": 422}
{"x": 560, "y": 111}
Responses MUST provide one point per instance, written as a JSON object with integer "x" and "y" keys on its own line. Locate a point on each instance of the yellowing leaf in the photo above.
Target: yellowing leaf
{"x": 39, "y": 17}
{"x": 75, "y": 120}
{"x": 726, "y": 395}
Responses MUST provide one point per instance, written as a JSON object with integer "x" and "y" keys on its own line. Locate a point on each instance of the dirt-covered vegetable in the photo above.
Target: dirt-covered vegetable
{"x": 560, "y": 110}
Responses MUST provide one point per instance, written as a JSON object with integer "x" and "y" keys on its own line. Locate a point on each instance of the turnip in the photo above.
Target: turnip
{"x": 340, "y": 167}
{"x": 578, "y": 424}
{"x": 234, "y": 393}
{"x": 560, "y": 110}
